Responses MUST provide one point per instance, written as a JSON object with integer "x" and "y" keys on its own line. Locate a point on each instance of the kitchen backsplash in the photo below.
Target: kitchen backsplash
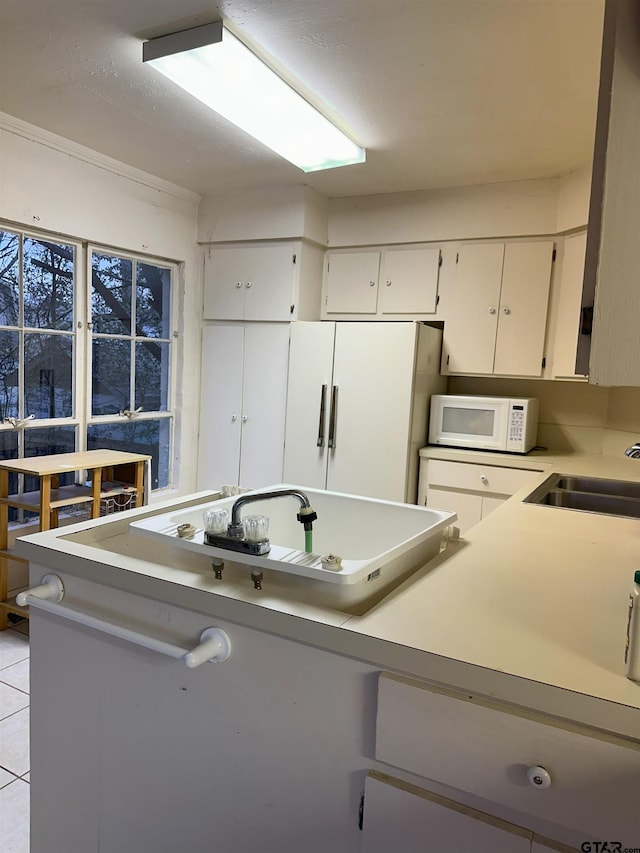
{"x": 573, "y": 415}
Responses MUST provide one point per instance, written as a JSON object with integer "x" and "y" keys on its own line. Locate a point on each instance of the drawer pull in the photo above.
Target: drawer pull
{"x": 539, "y": 777}
{"x": 483, "y": 478}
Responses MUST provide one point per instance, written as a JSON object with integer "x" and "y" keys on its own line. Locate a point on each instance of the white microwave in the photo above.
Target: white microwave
{"x": 485, "y": 423}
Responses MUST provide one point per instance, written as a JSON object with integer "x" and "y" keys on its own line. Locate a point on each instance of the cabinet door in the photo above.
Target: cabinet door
{"x": 220, "y": 406}
{"x": 264, "y": 394}
{"x": 470, "y": 330}
{"x": 569, "y": 306}
{"x": 467, "y": 506}
{"x": 373, "y": 378}
{"x": 409, "y": 281}
{"x": 224, "y": 284}
{"x": 403, "y": 818}
{"x": 268, "y": 282}
{"x": 522, "y": 318}
{"x": 352, "y": 283}
{"x": 308, "y": 404}
{"x": 489, "y": 504}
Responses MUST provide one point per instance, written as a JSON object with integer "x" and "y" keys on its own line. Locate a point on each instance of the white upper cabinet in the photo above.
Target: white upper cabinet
{"x": 264, "y": 282}
{"x": 352, "y": 283}
{"x": 497, "y": 322}
{"x": 388, "y": 284}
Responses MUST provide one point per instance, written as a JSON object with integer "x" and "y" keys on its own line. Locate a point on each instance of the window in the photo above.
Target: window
{"x": 86, "y": 361}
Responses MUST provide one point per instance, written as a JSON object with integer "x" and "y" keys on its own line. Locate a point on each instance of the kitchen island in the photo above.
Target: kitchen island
{"x": 481, "y": 705}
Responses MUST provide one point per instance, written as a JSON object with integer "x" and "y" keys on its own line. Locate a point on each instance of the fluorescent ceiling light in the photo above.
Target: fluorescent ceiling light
{"x": 214, "y": 66}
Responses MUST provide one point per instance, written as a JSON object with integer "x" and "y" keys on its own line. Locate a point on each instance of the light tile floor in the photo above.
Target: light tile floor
{"x": 14, "y": 739}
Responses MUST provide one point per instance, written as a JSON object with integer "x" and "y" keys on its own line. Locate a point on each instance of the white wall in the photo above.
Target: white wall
{"x": 49, "y": 183}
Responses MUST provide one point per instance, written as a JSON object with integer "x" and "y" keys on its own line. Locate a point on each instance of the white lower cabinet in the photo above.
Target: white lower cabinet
{"x": 543, "y": 770}
{"x": 403, "y": 818}
{"x": 242, "y": 404}
{"x": 467, "y": 488}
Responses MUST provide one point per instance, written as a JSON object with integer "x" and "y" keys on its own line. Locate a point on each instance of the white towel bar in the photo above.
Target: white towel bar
{"x": 214, "y": 644}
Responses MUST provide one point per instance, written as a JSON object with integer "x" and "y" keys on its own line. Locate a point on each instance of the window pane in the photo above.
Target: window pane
{"x": 151, "y": 437}
{"x": 44, "y": 442}
{"x": 9, "y": 277}
{"x": 48, "y": 285}
{"x": 111, "y": 280}
{"x": 152, "y": 301}
{"x": 9, "y": 374}
{"x": 152, "y": 376}
{"x": 48, "y": 379}
{"x": 111, "y": 391}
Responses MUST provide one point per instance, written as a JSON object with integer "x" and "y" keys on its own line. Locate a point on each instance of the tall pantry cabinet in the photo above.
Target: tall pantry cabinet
{"x": 242, "y": 404}
{"x": 357, "y": 405}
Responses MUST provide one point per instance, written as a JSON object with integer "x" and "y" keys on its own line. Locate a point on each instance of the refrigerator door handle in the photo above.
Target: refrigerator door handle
{"x": 323, "y": 406}
{"x": 333, "y": 416}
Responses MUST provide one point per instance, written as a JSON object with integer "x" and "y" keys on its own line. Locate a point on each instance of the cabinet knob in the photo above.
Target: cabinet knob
{"x": 483, "y": 478}
{"x": 492, "y": 310}
{"x": 388, "y": 282}
{"x": 539, "y": 777}
{"x": 244, "y": 419}
{"x": 248, "y": 284}
{"x": 234, "y": 418}
{"x": 372, "y": 284}
{"x": 506, "y": 310}
{"x": 238, "y": 284}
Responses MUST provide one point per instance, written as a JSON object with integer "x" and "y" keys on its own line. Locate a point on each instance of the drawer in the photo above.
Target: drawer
{"x": 487, "y": 750}
{"x": 478, "y": 478}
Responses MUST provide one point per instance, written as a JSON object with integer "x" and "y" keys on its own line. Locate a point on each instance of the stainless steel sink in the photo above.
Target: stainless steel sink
{"x": 588, "y": 494}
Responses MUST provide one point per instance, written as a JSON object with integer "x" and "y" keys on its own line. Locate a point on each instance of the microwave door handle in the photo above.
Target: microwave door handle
{"x": 323, "y": 406}
{"x": 333, "y": 418}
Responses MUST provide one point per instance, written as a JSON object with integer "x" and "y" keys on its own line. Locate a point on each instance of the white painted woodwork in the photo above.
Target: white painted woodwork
{"x": 385, "y": 374}
{"x": 244, "y": 376}
{"x": 310, "y": 368}
{"x": 269, "y": 283}
{"x": 470, "y": 490}
{"x": 352, "y": 283}
{"x": 409, "y": 281}
{"x": 466, "y": 505}
{"x": 403, "y": 818}
{"x": 395, "y": 283}
{"x": 259, "y": 753}
{"x": 565, "y": 343}
{"x": 522, "y": 318}
{"x": 486, "y": 749}
{"x": 613, "y": 249}
{"x": 479, "y": 478}
{"x": 470, "y": 330}
{"x": 220, "y": 405}
{"x": 224, "y": 279}
{"x": 264, "y": 399}
{"x": 497, "y": 320}
{"x": 249, "y": 282}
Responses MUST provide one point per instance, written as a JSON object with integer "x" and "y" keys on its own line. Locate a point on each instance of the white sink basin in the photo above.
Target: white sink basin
{"x": 380, "y": 542}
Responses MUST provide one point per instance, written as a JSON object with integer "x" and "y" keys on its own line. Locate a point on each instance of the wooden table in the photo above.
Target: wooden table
{"x": 101, "y": 465}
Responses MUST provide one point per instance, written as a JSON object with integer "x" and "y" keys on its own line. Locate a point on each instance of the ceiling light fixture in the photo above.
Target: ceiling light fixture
{"x": 214, "y": 66}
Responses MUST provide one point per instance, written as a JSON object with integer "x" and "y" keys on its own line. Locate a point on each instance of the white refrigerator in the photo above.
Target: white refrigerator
{"x": 357, "y": 405}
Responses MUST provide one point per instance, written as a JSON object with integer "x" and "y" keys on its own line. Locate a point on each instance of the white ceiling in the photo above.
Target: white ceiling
{"x": 440, "y": 92}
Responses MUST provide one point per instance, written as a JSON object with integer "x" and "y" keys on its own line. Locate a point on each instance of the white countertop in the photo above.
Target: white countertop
{"x": 530, "y": 607}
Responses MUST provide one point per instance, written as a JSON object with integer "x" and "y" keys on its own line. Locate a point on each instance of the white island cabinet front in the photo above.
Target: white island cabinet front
{"x": 317, "y": 718}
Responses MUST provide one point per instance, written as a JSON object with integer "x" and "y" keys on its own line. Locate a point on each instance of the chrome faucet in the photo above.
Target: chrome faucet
{"x": 235, "y": 540}
{"x": 633, "y": 451}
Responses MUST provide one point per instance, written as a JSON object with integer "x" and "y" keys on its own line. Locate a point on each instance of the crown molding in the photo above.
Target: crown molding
{"x": 16, "y": 126}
